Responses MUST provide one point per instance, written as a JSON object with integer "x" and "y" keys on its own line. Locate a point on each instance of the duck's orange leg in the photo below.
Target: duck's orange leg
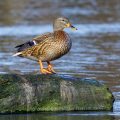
{"x": 42, "y": 69}
{"x": 50, "y": 67}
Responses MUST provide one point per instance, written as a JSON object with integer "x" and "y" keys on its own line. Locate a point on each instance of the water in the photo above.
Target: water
{"x": 62, "y": 116}
{"x": 95, "y": 52}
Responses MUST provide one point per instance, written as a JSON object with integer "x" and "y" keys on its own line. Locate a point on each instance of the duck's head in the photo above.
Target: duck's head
{"x": 61, "y": 23}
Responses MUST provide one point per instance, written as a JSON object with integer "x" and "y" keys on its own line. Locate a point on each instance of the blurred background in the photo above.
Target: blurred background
{"x": 96, "y": 44}
{"x": 29, "y": 12}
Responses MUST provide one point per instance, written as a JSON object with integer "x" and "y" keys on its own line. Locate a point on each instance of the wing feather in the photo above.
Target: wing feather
{"x": 37, "y": 40}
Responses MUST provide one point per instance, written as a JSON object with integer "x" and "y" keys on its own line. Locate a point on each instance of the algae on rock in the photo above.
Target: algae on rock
{"x": 31, "y": 93}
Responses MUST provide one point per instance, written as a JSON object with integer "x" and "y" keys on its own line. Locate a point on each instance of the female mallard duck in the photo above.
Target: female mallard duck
{"x": 48, "y": 46}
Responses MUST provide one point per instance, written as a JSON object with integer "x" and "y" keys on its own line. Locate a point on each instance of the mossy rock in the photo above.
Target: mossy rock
{"x": 32, "y": 93}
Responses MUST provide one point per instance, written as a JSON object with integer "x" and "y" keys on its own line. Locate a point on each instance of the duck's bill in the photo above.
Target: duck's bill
{"x": 73, "y": 28}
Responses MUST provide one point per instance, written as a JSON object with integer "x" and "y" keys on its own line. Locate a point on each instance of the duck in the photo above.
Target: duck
{"x": 48, "y": 46}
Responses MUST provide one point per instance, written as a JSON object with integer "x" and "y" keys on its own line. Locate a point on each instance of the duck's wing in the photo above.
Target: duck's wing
{"x": 43, "y": 37}
{"x": 37, "y": 40}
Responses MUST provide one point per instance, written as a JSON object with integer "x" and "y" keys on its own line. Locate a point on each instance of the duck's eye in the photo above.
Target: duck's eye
{"x": 63, "y": 20}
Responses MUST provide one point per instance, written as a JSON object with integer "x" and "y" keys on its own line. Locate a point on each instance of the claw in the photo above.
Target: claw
{"x": 50, "y": 68}
{"x": 45, "y": 71}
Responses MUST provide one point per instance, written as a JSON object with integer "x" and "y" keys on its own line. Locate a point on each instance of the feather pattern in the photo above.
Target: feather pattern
{"x": 46, "y": 47}
{"x": 25, "y": 45}
{"x": 52, "y": 47}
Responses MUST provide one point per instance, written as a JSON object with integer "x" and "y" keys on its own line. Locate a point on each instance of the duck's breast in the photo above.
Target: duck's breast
{"x": 58, "y": 47}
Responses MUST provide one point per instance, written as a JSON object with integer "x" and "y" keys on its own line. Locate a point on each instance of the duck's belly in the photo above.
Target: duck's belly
{"x": 56, "y": 51}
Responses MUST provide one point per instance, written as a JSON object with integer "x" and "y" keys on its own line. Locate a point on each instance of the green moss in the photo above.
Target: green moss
{"x": 30, "y": 93}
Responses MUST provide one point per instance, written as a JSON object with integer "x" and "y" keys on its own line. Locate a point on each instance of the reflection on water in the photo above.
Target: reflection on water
{"x": 96, "y": 45}
{"x": 56, "y": 117}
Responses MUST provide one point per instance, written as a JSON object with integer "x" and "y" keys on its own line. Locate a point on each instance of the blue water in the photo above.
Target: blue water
{"x": 83, "y": 29}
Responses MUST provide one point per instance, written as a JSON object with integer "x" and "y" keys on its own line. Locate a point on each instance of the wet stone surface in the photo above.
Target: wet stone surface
{"x": 32, "y": 93}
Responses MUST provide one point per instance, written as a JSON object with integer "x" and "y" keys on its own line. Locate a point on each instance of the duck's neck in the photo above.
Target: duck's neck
{"x": 60, "y": 35}
{"x": 57, "y": 27}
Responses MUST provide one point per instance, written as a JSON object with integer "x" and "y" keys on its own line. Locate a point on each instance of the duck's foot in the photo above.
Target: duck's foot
{"x": 45, "y": 71}
{"x": 50, "y": 69}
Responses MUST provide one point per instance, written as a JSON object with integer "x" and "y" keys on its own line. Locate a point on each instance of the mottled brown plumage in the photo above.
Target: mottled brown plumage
{"x": 48, "y": 46}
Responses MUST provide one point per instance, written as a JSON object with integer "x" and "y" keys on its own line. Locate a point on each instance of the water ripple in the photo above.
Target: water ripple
{"x": 83, "y": 29}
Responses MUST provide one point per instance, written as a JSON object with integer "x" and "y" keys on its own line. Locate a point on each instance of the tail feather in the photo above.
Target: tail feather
{"x": 26, "y": 45}
{"x": 17, "y": 54}
{"x": 23, "y": 47}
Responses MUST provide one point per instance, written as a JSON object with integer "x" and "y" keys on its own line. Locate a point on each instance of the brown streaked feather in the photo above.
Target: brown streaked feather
{"x": 34, "y": 42}
{"x": 43, "y": 37}
{"x": 50, "y": 48}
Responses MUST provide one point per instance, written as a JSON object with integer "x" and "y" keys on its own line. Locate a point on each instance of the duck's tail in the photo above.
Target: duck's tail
{"x": 17, "y": 54}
